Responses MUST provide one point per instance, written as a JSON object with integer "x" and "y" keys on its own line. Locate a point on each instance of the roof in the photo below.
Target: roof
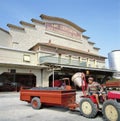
{"x": 62, "y": 20}
{"x": 66, "y": 48}
{"x": 115, "y": 50}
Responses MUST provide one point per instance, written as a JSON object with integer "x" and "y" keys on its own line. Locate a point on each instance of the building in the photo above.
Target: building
{"x": 44, "y": 50}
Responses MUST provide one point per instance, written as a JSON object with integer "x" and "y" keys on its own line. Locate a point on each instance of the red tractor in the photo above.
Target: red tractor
{"x": 88, "y": 103}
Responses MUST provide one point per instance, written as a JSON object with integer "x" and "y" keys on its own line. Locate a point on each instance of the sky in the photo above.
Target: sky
{"x": 100, "y": 18}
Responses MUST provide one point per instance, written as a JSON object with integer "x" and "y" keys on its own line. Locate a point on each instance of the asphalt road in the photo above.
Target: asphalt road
{"x": 12, "y": 109}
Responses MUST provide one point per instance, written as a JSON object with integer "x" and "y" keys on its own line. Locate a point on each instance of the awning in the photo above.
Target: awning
{"x": 89, "y": 68}
{"x": 65, "y": 66}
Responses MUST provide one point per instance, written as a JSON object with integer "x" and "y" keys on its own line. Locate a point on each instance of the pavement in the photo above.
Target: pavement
{"x": 12, "y": 109}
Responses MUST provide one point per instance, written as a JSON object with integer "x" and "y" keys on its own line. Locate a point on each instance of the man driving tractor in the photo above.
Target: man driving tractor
{"x": 94, "y": 88}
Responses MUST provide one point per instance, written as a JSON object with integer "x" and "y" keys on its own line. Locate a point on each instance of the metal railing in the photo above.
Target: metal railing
{"x": 57, "y": 60}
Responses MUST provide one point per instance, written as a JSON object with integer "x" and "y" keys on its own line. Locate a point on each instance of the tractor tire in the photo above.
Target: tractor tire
{"x": 88, "y": 108}
{"x": 111, "y": 110}
{"x": 36, "y": 103}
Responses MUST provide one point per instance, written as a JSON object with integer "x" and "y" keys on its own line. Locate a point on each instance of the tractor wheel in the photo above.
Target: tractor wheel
{"x": 88, "y": 108}
{"x": 111, "y": 110}
{"x": 36, "y": 103}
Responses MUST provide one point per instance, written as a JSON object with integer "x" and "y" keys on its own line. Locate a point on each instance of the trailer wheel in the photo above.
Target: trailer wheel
{"x": 36, "y": 103}
{"x": 88, "y": 108}
{"x": 111, "y": 110}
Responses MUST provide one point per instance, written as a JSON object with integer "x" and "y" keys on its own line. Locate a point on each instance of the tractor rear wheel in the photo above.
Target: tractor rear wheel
{"x": 36, "y": 103}
{"x": 88, "y": 108}
{"x": 111, "y": 110}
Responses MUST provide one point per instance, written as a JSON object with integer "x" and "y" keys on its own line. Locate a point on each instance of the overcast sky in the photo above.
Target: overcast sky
{"x": 100, "y": 18}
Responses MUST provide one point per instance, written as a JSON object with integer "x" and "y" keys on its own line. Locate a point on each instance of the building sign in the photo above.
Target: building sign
{"x": 63, "y": 30}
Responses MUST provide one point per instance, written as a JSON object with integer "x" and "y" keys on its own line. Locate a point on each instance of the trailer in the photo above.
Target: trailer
{"x": 42, "y": 96}
{"x": 115, "y": 84}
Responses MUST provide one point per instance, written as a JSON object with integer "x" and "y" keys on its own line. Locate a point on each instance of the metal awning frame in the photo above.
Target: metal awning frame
{"x": 62, "y": 66}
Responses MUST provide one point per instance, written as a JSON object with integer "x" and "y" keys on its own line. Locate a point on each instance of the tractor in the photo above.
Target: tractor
{"x": 88, "y": 104}
{"x": 64, "y": 96}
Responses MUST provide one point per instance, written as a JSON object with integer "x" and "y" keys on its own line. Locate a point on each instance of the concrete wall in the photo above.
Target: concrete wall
{"x": 26, "y": 38}
{"x": 12, "y": 56}
{"x": 5, "y": 38}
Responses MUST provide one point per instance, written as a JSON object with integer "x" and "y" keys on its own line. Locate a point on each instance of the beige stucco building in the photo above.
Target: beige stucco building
{"x": 44, "y": 47}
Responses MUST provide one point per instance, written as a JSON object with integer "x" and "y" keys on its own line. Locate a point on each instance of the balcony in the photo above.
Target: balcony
{"x": 64, "y": 61}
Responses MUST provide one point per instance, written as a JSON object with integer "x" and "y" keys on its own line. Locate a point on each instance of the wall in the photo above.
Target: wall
{"x": 31, "y": 35}
{"x": 12, "y": 56}
{"x": 5, "y": 38}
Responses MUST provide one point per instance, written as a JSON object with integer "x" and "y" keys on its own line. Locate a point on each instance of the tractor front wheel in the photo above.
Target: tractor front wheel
{"x": 88, "y": 108}
{"x": 111, "y": 110}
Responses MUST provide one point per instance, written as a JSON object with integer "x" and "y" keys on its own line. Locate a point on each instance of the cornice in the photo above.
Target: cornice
{"x": 86, "y": 37}
{"x": 96, "y": 48}
{"x": 91, "y": 42}
{"x": 15, "y": 27}
{"x": 37, "y": 21}
{"x": 27, "y": 24}
{"x": 4, "y": 30}
{"x": 45, "y": 17}
{"x": 66, "y": 48}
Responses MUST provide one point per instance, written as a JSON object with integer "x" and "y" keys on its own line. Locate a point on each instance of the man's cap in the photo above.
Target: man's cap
{"x": 90, "y": 77}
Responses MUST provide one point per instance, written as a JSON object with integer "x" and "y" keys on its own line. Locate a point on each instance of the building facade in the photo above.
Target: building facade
{"x": 38, "y": 50}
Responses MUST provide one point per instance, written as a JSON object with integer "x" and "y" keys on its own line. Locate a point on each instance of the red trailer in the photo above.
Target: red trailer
{"x": 40, "y": 96}
{"x": 114, "y": 84}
